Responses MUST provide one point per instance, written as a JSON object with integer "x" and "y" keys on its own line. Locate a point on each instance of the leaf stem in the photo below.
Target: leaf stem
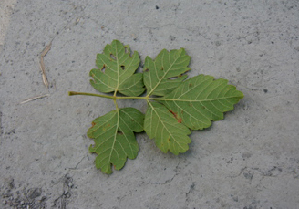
{"x": 73, "y": 93}
{"x": 116, "y": 105}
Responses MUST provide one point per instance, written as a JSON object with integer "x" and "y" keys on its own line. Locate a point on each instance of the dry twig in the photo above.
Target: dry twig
{"x": 34, "y": 98}
{"x": 42, "y": 63}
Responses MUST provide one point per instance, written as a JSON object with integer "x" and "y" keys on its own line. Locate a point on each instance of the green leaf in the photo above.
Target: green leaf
{"x": 133, "y": 86}
{"x": 169, "y": 134}
{"x": 164, "y": 74}
{"x": 115, "y": 69}
{"x": 114, "y": 138}
{"x": 201, "y": 99}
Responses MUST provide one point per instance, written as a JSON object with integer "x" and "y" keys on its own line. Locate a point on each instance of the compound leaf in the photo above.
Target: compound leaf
{"x": 176, "y": 105}
{"x": 115, "y": 68}
{"x": 164, "y": 74}
{"x": 114, "y": 138}
{"x": 201, "y": 99}
{"x": 169, "y": 134}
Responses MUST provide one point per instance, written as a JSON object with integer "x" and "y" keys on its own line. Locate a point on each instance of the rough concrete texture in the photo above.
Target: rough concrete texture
{"x": 249, "y": 160}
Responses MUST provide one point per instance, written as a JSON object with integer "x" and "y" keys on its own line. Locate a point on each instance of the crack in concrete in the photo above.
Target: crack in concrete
{"x": 171, "y": 179}
{"x": 1, "y": 128}
{"x": 76, "y": 167}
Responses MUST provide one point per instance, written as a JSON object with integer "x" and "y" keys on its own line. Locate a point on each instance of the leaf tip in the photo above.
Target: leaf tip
{"x": 182, "y": 49}
{"x": 241, "y": 95}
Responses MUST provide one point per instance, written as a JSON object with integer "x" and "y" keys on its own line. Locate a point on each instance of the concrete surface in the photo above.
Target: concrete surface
{"x": 249, "y": 160}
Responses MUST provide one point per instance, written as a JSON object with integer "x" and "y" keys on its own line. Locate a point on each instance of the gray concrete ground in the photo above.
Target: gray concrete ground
{"x": 249, "y": 160}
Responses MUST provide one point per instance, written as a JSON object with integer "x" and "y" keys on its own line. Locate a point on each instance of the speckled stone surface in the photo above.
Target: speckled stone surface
{"x": 249, "y": 160}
